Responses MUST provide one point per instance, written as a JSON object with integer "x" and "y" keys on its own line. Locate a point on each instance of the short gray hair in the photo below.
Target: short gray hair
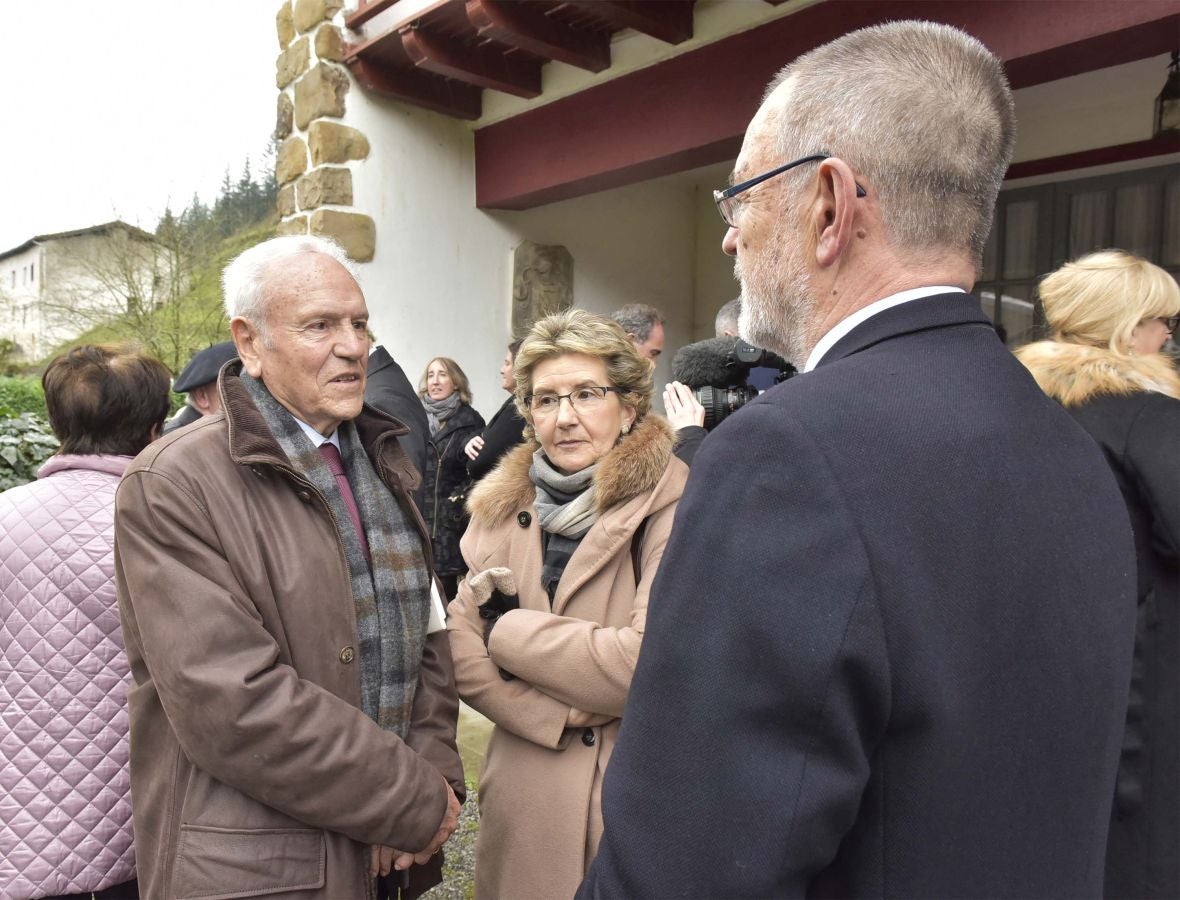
{"x": 242, "y": 280}
{"x": 923, "y": 112}
{"x": 638, "y": 319}
{"x": 727, "y": 317}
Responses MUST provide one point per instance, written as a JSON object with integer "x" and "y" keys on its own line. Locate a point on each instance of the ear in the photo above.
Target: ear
{"x": 628, "y": 417}
{"x": 200, "y": 397}
{"x": 248, "y": 342}
{"x": 833, "y": 212}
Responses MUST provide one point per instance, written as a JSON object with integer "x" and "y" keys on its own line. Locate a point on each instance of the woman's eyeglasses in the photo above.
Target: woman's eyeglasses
{"x": 583, "y": 400}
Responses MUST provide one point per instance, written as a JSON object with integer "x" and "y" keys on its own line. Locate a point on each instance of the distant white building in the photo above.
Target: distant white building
{"x": 53, "y": 287}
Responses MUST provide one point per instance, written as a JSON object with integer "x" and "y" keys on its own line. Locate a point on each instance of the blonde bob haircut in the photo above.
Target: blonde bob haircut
{"x": 1099, "y": 298}
{"x": 578, "y": 331}
{"x": 458, "y": 378}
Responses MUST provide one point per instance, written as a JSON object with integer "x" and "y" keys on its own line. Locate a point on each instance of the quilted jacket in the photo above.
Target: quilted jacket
{"x": 65, "y": 804}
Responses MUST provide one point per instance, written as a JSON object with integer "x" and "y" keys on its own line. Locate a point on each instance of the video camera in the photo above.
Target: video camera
{"x": 717, "y": 369}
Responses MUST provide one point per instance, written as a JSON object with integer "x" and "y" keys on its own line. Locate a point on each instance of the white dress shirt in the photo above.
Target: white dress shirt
{"x": 316, "y": 437}
{"x": 845, "y": 325}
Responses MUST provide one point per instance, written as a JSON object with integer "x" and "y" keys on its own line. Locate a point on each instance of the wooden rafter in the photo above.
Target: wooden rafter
{"x": 483, "y": 66}
{"x": 441, "y": 95}
{"x": 666, "y": 20}
{"x": 517, "y": 25}
{"x": 365, "y": 11}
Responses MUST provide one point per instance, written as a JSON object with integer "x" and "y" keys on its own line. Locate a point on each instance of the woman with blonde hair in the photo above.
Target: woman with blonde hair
{"x": 1111, "y": 314}
{"x": 566, "y": 535}
{"x": 446, "y": 397}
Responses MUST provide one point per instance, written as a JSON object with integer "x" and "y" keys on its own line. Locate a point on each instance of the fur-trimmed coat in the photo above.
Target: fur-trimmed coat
{"x": 1131, "y": 406}
{"x": 540, "y": 789}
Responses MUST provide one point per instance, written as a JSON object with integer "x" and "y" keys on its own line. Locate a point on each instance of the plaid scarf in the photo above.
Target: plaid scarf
{"x": 565, "y": 511}
{"x": 392, "y": 597}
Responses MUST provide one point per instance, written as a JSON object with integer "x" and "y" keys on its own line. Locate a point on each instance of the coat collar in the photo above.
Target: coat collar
{"x": 1073, "y": 374}
{"x": 110, "y": 464}
{"x": 923, "y": 314}
{"x": 250, "y": 441}
{"x": 633, "y": 466}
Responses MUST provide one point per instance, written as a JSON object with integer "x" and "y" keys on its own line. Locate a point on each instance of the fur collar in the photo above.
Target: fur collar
{"x": 633, "y": 466}
{"x": 1073, "y": 374}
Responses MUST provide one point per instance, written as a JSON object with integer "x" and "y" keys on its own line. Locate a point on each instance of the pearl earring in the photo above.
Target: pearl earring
{"x": 626, "y": 429}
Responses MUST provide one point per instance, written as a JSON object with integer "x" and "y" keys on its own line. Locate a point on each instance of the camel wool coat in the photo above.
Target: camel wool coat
{"x": 541, "y": 785}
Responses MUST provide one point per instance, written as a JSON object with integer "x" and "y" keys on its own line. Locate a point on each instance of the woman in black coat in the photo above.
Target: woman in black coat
{"x": 446, "y": 397}
{"x": 506, "y": 429}
{"x": 1112, "y": 314}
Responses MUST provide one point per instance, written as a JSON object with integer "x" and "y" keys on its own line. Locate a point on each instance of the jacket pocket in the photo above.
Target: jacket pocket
{"x": 222, "y": 863}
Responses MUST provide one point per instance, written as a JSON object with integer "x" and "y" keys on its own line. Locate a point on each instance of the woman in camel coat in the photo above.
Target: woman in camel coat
{"x": 565, "y": 539}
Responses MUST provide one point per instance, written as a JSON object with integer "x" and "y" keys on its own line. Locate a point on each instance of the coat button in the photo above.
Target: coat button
{"x": 588, "y": 737}
{"x": 524, "y": 519}
{"x": 304, "y": 495}
{"x": 347, "y": 655}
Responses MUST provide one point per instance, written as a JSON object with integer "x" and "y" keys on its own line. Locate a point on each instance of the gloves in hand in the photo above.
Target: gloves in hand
{"x": 495, "y": 591}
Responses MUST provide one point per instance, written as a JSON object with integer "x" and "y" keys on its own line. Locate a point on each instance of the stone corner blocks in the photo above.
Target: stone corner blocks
{"x": 356, "y": 233}
{"x": 292, "y": 226}
{"x": 323, "y": 187}
{"x": 309, "y": 13}
{"x": 291, "y": 161}
{"x": 333, "y": 143}
{"x": 285, "y": 26}
{"x": 292, "y": 62}
{"x": 285, "y": 201}
{"x": 320, "y": 93}
{"x": 328, "y": 44}
{"x": 284, "y": 117}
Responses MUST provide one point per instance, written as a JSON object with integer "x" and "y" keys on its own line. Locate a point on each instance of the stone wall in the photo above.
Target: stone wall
{"x": 318, "y": 152}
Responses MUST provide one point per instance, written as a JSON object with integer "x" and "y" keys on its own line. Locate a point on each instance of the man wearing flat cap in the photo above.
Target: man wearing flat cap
{"x": 199, "y": 381}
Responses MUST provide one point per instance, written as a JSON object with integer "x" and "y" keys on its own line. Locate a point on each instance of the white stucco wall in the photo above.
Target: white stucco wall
{"x": 1097, "y": 109}
{"x": 440, "y": 282}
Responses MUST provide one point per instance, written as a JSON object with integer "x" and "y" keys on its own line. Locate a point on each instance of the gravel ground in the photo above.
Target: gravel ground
{"x": 459, "y": 867}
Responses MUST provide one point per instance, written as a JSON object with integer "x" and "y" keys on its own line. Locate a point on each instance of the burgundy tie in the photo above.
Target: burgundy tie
{"x": 332, "y": 457}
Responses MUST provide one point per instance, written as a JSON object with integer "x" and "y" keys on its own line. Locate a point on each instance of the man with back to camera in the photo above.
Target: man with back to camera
{"x": 388, "y": 389}
{"x": 293, "y": 712}
{"x": 891, "y": 666}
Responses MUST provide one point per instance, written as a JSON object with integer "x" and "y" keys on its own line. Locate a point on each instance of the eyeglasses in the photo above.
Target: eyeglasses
{"x": 728, "y": 205}
{"x": 1170, "y": 322}
{"x": 583, "y": 400}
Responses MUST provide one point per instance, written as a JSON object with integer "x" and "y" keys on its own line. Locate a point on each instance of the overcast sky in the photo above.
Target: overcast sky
{"x": 111, "y": 110}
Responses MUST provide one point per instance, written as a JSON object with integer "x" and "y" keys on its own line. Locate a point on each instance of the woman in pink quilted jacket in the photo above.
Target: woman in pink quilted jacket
{"x": 65, "y": 802}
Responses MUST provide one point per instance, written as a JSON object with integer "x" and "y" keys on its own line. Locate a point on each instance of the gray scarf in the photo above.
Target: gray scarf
{"x": 565, "y": 503}
{"x": 438, "y": 411}
{"x": 392, "y": 597}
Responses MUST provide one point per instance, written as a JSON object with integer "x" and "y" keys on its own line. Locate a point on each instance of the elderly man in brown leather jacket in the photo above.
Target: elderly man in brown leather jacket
{"x": 293, "y": 712}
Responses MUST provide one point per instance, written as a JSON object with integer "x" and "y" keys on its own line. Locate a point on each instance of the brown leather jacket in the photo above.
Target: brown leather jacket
{"x": 254, "y": 771}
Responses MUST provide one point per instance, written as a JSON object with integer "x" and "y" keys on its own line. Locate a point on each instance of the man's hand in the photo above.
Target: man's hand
{"x": 449, "y": 823}
{"x": 681, "y": 406}
{"x": 473, "y": 447}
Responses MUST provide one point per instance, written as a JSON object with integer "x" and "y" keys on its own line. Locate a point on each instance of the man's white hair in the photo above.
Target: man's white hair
{"x": 242, "y": 280}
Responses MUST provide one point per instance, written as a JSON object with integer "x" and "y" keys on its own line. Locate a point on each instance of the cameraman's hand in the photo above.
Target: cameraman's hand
{"x": 473, "y": 447}
{"x": 681, "y": 406}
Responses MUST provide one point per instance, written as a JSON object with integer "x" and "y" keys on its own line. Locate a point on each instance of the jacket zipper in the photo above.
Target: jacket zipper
{"x": 438, "y": 458}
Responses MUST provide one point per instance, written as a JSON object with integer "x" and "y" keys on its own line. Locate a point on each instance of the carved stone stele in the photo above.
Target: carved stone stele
{"x": 542, "y": 283}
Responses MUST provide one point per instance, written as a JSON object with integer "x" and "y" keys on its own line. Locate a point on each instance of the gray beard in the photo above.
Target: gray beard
{"x": 777, "y": 303}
